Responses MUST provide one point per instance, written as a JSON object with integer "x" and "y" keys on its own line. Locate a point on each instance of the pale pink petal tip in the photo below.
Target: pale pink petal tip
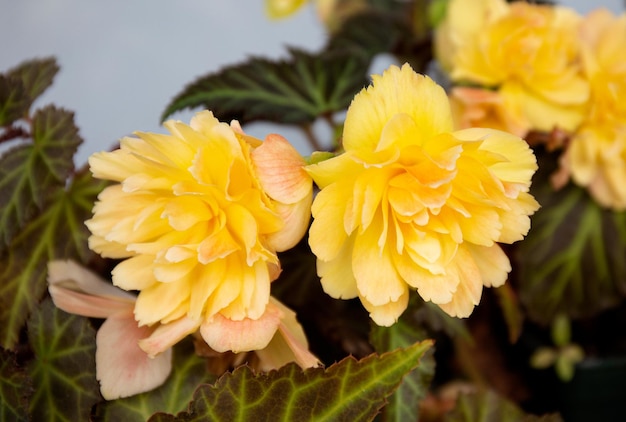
{"x": 122, "y": 367}
{"x": 76, "y": 290}
{"x": 223, "y": 334}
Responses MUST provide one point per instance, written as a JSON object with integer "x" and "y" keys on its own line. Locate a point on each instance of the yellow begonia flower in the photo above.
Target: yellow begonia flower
{"x": 412, "y": 204}
{"x": 596, "y": 156}
{"x": 330, "y": 12}
{"x": 200, "y": 214}
{"x": 531, "y": 54}
{"x": 278, "y": 9}
{"x": 463, "y": 21}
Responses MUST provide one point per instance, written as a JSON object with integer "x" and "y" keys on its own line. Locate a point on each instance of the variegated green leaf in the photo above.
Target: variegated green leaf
{"x": 14, "y": 100}
{"x": 350, "y": 390}
{"x": 32, "y": 172}
{"x": 57, "y": 233}
{"x": 64, "y": 367}
{"x": 404, "y": 403}
{"x": 15, "y": 388}
{"x": 297, "y": 90}
{"x": 487, "y": 406}
{"x": 36, "y": 75}
{"x": 574, "y": 258}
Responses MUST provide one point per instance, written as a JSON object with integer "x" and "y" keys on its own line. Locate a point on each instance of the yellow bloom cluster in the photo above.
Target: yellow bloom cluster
{"x": 596, "y": 156}
{"x": 528, "y": 52}
{"x": 200, "y": 214}
{"x": 413, "y": 204}
{"x": 541, "y": 68}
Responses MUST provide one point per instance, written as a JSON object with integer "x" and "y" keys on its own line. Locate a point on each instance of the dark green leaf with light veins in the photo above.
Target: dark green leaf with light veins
{"x": 404, "y": 403}
{"x": 370, "y": 33}
{"x": 15, "y": 388}
{"x": 36, "y": 75}
{"x": 350, "y": 390}
{"x": 297, "y": 90}
{"x": 188, "y": 371}
{"x": 57, "y": 233}
{"x": 31, "y": 173}
{"x": 487, "y": 406}
{"x": 574, "y": 258}
{"x": 14, "y": 101}
{"x": 64, "y": 367}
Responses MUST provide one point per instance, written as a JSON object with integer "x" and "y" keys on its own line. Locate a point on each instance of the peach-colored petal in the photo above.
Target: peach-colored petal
{"x": 87, "y": 305}
{"x": 223, "y": 334}
{"x": 280, "y": 169}
{"x": 77, "y": 290}
{"x": 296, "y": 218}
{"x": 122, "y": 367}
{"x": 167, "y": 335}
{"x": 289, "y": 344}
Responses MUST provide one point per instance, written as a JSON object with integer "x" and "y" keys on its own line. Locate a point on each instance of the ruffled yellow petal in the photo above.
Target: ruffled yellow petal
{"x": 336, "y": 274}
{"x": 415, "y": 95}
{"x": 387, "y": 313}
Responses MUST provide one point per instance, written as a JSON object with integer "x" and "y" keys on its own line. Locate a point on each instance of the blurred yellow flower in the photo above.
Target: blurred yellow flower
{"x": 596, "y": 156}
{"x": 463, "y": 21}
{"x": 531, "y": 54}
{"x": 412, "y": 204}
{"x": 200, "y": 214}
{"x": 604, "y": 41}
{"x": 278, "y": 9}
{"x": 330, "y": 12}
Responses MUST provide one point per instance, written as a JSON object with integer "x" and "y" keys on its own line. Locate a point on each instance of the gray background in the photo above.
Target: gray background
{"x": 123, "y": 60}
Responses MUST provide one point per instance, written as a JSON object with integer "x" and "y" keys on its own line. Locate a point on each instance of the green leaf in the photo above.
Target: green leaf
{"x": 64, "y": 368}
{"x": 487, "y": 406}
{"x": 432, "y": 316}
{"x": 404, "y": 403}
{"x": 15, "y": 388}
{"x": 36, "y": 75}
{"x": 511, "y": 311}
{"x": 572, "y": 260}
{"x": 294, "y": 91}
{"x": 57, "y": 233}
{"x": 14, "y": 100}
{"x": 370, "y": 33}
{"x": 30, "y": 173}
{"x": 350, "y": 390}
{"x": 189, "y": 370}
